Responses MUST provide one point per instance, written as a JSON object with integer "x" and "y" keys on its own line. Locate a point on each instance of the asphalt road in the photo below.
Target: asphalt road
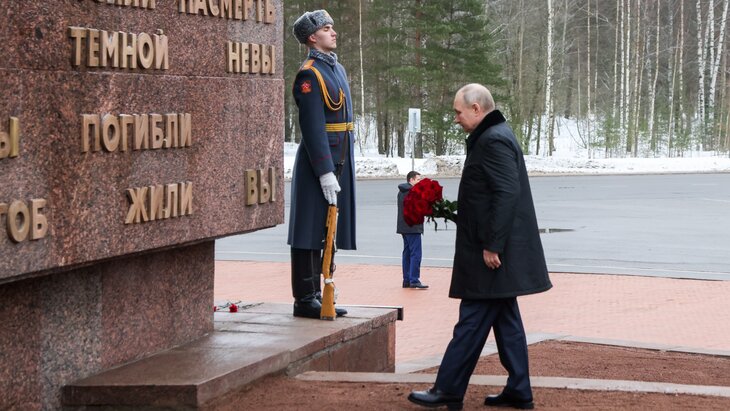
{"x": 674, "y": 225}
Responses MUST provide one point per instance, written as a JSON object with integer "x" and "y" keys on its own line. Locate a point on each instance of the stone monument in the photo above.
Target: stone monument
{"x": 133, "y": 133}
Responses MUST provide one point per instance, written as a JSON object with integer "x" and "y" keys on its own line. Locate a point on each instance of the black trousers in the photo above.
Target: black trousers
{"x": 306, "y": 267}
{"x": 476, "y": 318}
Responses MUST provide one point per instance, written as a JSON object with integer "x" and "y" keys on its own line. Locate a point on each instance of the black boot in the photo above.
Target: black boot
{"x": 308, "y": 307}
{"x": 306, "y": 303}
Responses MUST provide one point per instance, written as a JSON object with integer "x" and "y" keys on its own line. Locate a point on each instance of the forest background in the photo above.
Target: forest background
{"x": 638, "y": 78}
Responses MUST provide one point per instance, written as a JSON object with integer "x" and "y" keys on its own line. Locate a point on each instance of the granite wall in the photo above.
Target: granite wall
{"x": 132, "y": 134}
{"x": 236, "y": 123}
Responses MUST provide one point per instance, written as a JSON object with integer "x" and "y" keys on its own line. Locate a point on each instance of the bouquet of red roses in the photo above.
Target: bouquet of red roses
{"x": 425, "y": 200}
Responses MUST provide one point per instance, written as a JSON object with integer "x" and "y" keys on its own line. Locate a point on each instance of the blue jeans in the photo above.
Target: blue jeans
{"x": 411, "y": 258}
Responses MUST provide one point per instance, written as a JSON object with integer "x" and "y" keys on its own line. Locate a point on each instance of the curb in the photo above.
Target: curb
{"x": 537, "y": 382}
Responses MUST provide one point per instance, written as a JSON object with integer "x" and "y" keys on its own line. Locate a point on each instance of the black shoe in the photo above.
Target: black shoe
{"x": 504, "y": 400}
{"x": 418, "y": 285}
{"x": 340, "y": 312}
{"x": 406, "y": 284}
{"x": 308, "y": 307}
{"x": 433, "y": 398}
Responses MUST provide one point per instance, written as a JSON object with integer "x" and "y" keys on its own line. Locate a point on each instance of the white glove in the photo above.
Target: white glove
{"x": 330, "y": 188}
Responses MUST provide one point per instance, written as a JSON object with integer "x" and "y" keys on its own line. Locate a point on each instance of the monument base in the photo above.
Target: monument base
{"x": 57, "y": 328}
{"x": 259, "y": 340}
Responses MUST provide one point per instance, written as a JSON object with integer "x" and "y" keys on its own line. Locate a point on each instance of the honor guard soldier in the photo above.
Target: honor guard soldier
{"x": 324, "y": 172}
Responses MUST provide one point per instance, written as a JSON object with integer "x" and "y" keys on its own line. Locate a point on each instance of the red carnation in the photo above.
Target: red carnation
{"x": 233, "y": 308}
{"x": 425, "y": 199}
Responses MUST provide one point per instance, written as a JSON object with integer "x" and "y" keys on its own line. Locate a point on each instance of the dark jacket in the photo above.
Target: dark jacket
{"x": 320, "y": 150}
{"x": 402, "y": 227}
{"x": 496, "y": 213}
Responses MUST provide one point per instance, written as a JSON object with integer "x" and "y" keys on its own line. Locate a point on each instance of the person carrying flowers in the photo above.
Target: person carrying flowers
{"x": 411, "y": 260}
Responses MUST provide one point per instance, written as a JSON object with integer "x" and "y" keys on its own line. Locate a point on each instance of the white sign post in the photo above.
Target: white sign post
{"x": 414, "y": 127}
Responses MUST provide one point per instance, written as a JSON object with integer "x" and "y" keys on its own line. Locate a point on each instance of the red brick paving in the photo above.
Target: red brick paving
{"x": 689, "y": 313}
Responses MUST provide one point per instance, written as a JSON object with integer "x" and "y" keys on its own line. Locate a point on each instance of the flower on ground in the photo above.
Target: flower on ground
{"x": 230, "y": 307}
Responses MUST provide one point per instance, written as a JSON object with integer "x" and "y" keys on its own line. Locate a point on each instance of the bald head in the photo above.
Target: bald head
{"x": 471, "y": 104}
{"x": 476, "y": 93}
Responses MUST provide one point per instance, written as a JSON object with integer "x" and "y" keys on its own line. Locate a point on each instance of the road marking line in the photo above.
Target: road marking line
{"x": 667, "y": 270}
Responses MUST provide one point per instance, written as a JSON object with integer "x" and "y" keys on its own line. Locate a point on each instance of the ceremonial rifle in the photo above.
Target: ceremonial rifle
{"x": 328, "y": 266}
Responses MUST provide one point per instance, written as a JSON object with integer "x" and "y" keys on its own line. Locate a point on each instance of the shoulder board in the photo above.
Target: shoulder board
{"x": 307, "y": 65}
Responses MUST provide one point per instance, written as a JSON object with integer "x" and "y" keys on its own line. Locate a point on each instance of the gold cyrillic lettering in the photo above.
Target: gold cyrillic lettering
{"x": 4, "y": 144}
{"x": 110, "y": 139}
{"x": 186, "y": 130}
{"x": 162, "y": 61}
{"x": 199, "y": 5}
{"x": 92, "y": 48}
{"x": 14, "y": 136}
{"x": 172, "y": 132}
{"x": 213, "y": 7}
{"x": 128, "y": 50}
{"x": 10, "y": 141}
{"x": 267, "y": 59}
{"x": 78, "y": 34}
{"x": 245, "y": 58}
{"x": 18, "y": 231}
{"x": 171, "y": 200}
{"x": 272, "y": 181}
{"x": 110, "y": 48}
{"x": 38, "y": 222}
{"x": 145, "y": 50}
{"x": 125, "y": 121}
{"x": 264, "y": 188}
{"x": 260, "y": 186}
{"x": 260, "y": 11}
{"x": 255, "y": 58}
{"x": 269, "y": 12}
{"x": 238, "y": 10}
{"x": 156, "y": 195}
{"x": 145, "y": 4}
{"x": 252, "y": 190}
{"x": 186, "y": 198}
{"x": 234, "y": 57}
{"x": 89, "y": 121}
{"x": 156, "y": 133}
{"x": 137, "y": 212}
{"x": 226, "y": 8}
{"x": 141, "y": 132}
{"x": 247, "y": 4}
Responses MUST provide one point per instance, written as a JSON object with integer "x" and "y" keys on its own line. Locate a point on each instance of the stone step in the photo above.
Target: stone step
{"x": 259, "y": 340}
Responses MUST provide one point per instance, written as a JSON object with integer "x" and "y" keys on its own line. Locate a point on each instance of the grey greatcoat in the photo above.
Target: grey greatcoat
{"x": 496, "y": 212}
{"x": 320, "y": 150}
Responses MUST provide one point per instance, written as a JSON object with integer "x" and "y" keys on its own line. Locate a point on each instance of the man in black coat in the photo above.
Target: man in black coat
{"x": 498, "y": 257}
{"x": 324, "y": 170}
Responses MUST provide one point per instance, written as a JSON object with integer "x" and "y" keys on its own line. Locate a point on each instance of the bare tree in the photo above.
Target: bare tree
{"x": 701, "y": 65}
{"x": 652, "y": 93}
{"x": 719, "y": 46}
{"x": 549, "y": 113}
{"x": 589, "y": 113}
